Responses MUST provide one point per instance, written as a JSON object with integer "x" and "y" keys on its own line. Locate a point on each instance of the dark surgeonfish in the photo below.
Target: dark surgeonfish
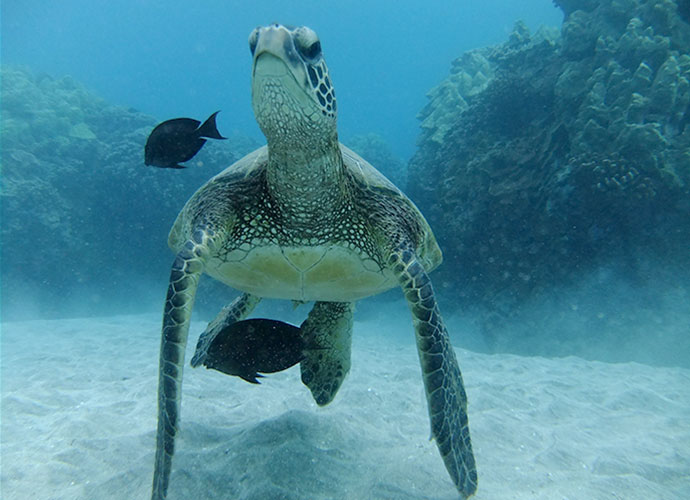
{"x": 248, "y": 347}
{"x": 175, "y": 141}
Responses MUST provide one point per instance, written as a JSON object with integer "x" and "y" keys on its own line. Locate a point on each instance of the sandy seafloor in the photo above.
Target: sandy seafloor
{"x": 78, "y": 422}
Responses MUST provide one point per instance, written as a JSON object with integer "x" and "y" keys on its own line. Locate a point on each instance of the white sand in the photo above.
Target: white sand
{"x": 78, "y": 421}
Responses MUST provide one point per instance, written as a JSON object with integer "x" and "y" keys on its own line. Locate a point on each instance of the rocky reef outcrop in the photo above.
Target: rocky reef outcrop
{"x": 84, "y": 222}
{"x": 557, "y": 152}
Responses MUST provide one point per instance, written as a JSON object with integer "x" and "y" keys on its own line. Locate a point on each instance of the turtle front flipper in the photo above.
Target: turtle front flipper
{"x": 184, "y": 279}
{"x": 445, "y": 392}
{"x": 327, "y": 334}
{"x": 235, "y": 311}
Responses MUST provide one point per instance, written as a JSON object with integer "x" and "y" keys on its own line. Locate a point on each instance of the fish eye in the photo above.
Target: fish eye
{"x": 253, "y": 40}
{"x": 307, "y": 42}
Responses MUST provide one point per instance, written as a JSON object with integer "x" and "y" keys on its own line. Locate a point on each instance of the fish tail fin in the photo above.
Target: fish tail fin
{"x": 251, "y": 377}
{"x": 209, "y": 128}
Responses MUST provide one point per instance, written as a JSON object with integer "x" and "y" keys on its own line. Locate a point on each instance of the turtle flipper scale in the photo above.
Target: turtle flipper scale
{"x": 327, "y": 334}
{"x": 236, "y": 311}
{"x": 184, "y": 279}
{"x": 445, "y": 392}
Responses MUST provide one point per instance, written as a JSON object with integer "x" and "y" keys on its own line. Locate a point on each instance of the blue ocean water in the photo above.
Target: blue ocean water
{"x": 158, "y": 60}
{"x": 174, "y": 58}
{"x": 85, "y": 258}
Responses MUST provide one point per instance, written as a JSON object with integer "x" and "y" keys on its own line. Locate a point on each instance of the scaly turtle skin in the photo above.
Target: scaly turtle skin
{"x": 306, "y": 219}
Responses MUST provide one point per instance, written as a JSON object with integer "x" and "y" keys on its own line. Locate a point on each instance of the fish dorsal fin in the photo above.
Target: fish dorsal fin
{"x": 209, "y": 128}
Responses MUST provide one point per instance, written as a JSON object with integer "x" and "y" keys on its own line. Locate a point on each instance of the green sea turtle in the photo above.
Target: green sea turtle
{"x": 306, "y": 219}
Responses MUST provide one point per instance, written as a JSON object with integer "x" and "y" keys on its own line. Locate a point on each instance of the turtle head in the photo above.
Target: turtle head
{"x": 292, "y": 94}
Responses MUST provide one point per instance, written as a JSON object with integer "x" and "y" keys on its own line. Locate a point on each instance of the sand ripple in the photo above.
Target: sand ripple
{"x": 78, "y": 422}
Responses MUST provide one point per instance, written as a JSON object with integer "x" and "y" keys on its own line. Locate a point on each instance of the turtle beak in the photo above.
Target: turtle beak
{"x": 274, "y": 40}
{"x": 276, "y": 60}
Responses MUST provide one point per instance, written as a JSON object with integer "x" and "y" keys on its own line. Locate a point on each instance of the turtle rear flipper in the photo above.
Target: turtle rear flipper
{"x": 327, "y": 333}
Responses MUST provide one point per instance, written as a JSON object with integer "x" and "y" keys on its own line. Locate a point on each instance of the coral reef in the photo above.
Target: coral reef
{"x": 546, "y": 156}
{"x": 84, "y": 220}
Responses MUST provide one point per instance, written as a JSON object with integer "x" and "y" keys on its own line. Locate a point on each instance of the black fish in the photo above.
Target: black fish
{"x": 255, "y": 345}
{"x": 175, "y": 141}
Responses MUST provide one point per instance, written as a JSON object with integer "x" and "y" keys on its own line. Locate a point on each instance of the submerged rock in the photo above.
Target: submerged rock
{"x": 570, "y": 150}
{"x": 81, "y": 131}
{"x": 85, "y": 223}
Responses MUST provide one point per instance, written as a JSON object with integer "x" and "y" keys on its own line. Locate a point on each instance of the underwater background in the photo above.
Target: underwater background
{"x": 546, "y": 142}
{"x": 551, "y": 161}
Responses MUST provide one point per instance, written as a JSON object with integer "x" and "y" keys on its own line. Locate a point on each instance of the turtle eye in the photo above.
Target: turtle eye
{"x": 312, "y": 51}
{"x": 253, "y": 40}
{"x": 307, "y": 42}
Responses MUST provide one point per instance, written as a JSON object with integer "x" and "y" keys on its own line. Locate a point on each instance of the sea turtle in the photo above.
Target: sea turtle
{"x": 306, "y": 219}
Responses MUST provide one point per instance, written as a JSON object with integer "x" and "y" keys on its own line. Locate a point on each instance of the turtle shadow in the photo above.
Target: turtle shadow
{"x": 295, "y": 455}
{"x": 298, "y": 454}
